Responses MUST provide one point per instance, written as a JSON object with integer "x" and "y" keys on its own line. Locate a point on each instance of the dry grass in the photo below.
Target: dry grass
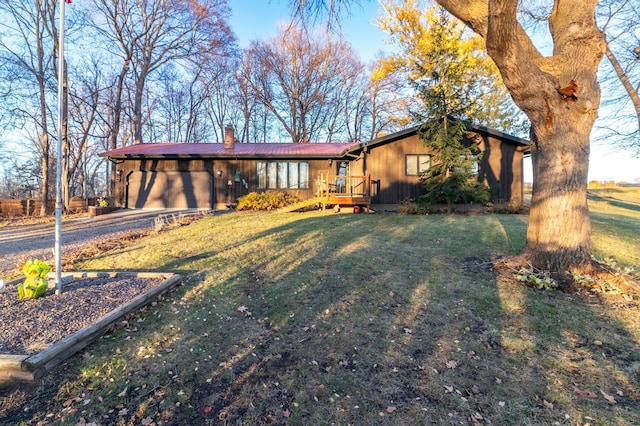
{"x": 319, "y": 318}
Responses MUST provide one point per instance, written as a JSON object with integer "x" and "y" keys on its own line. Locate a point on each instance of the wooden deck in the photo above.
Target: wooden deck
{"x": 343, "y": 191}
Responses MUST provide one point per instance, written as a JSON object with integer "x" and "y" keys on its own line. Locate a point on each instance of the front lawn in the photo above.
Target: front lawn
{"x": 323, "y": 318}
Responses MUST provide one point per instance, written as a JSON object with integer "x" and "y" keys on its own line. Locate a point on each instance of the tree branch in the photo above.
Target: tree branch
{"x": 475, "y": 14}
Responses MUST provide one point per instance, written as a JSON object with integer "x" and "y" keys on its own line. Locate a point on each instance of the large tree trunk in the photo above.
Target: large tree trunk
{"x": 561, "y": 96}
{"x": 559, "y": 231}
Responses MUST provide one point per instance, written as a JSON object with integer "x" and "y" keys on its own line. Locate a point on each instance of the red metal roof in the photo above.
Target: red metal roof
{"x": 170, "y": 149}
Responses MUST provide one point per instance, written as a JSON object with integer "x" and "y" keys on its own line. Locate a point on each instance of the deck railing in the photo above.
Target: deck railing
{"x": 342, "y": 186}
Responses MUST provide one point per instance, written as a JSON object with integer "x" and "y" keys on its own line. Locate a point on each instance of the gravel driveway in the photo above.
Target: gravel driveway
{"x": 19, "y": 242}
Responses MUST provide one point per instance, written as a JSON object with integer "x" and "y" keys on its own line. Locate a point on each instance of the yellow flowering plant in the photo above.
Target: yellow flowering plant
{"x": 35, "y": 283}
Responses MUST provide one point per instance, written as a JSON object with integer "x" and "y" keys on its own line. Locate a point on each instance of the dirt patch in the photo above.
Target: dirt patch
{"x": 30, "y": 326}
{"x": 600, "y": 280}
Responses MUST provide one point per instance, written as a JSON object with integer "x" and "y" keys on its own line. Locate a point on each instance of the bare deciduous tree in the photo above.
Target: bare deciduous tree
{"x": 300, "y": 79}
{"x": 147, "y": 35}
{"x": 27, "y": 48}
{"x": 620, "y": 20}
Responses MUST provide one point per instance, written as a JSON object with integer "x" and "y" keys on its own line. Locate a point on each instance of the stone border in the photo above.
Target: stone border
{"x": 15, "y": 368}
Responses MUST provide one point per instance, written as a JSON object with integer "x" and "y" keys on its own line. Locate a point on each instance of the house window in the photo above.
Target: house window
{"x": 282, "y": 174}
{"x": 417, "y": 164}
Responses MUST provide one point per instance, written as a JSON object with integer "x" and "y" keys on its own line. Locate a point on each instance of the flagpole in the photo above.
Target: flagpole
{"x": 58, "y": 230}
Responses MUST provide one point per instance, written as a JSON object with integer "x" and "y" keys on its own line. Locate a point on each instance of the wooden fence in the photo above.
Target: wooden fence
{"x": 20, "y": 208}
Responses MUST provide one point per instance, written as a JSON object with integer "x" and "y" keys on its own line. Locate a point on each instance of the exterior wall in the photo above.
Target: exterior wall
{"x": 386, "y": 165}
{"x": 226, "y": 186}
{"x": 154, "y": 183}
{"x": 501, "y": 167}
{"x": 227, "y": 189}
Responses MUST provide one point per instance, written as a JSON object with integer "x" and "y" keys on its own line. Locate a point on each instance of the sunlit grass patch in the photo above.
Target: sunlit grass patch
{"x": 319, "y": 318}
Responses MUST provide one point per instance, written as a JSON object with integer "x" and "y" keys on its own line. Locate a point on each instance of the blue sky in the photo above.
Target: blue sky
{"x": 253, "y": 19}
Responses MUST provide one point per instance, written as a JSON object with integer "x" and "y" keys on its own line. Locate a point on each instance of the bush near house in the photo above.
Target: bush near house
{"x": 456, "y": 189}
{"x": 269, "y": 200}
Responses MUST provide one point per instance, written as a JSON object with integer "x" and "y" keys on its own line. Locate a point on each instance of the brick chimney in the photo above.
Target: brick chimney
{"x": 229, "y": 137}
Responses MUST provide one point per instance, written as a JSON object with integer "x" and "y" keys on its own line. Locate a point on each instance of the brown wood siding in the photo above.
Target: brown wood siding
{"x": 386, "y": 165}
{"x": 170, "y": 183}
{"x": 501, "y": 167}
{"x": 226, "y": 193}
{"x": 226, "y": 189}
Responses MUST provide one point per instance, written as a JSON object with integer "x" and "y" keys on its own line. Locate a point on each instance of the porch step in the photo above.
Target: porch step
{"x": 325, "y": 202}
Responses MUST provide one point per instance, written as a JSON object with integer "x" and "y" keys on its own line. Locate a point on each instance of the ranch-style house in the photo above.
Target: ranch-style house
{"x": 381, "y": 172}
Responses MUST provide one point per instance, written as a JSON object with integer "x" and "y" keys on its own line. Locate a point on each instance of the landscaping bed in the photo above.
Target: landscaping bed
{"x": 35, "y": 334}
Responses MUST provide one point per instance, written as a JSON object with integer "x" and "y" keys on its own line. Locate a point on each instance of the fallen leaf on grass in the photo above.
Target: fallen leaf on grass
{"x": 547, "y": 404}
{"x": 610, "y": 399}
{"x": 123, "y": 393}
{"x": 448, "y": 389}
{"x": 286, "y": 413}
{"x": 147, "y": 421}
{"x": 69, "y": 401}
{"x": 451, "y": 364}
{"x": 391, "y": 409}
{"x": 207, "y": 409}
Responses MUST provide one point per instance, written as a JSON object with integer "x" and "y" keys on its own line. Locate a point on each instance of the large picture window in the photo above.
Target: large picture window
{"x": 417, "y": 164}
{"x": 282, "y": 174}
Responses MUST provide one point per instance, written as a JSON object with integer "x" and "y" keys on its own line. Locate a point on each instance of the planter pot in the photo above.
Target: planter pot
{"x": 97, "y": 210}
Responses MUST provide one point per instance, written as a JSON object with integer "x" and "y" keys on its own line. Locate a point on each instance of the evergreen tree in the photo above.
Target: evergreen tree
{"x": 447, "y": 69}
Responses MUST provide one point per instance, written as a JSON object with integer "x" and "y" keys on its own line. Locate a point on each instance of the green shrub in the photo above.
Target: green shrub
{"x": 269, "y": 200}
{"x": 35, "y": 283}
{"x": 456, "y": 189}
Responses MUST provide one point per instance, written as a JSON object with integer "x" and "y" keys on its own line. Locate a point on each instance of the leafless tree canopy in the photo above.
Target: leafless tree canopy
{"x": 169, "y": 70}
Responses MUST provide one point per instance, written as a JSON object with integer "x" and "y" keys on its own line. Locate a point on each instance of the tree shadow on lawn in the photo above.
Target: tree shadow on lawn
{"x": 582, "y": 344}
{"x": 614, "y": 202}
{"x": 368, "y": 324}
